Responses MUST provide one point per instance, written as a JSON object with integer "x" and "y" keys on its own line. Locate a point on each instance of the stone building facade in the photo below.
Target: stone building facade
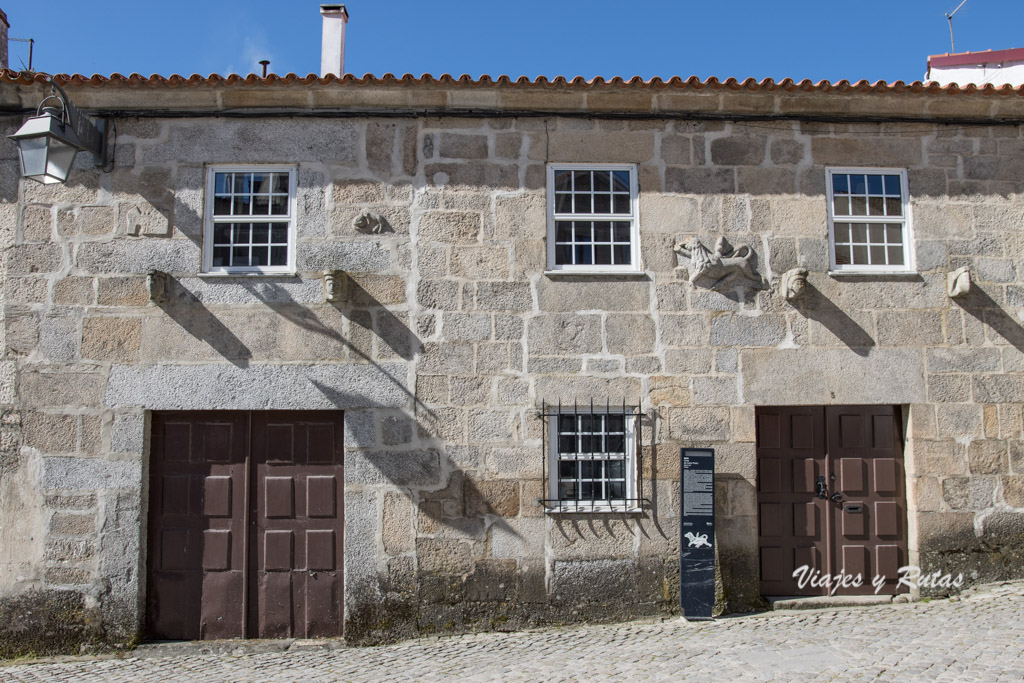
{"x": 455, "y": 330}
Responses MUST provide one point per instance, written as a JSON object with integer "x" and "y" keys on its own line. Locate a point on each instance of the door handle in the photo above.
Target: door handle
{"x": 837, "y": 498}
{"x": 821, "y": 488}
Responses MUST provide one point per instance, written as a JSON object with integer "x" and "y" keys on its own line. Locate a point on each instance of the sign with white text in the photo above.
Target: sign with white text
{"x": 697, "y": 533}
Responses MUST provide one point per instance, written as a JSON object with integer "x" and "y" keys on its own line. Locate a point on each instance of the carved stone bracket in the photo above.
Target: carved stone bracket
{"x": 159, "y": 285}
{"x": 958, "y": 283}
{"x": 793, "y": 283}
{"x": 370, "y": 222}
{"x": 335, "y": 286}
{"x": 725, "y": 268}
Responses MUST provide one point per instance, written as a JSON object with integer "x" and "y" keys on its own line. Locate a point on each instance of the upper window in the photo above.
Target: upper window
{"x": 592, "y": 461}
{"x": 868, "y": 225}
{"x": 592, "y": 218}
{"x": 250, "y": 219}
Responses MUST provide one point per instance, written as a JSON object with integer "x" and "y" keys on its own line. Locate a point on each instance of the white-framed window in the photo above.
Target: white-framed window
{"x": 592, "y": 218}
{"x": 869, "y": 220}
{"x": 250, "y": 219}
{"x": 592, "y": 461}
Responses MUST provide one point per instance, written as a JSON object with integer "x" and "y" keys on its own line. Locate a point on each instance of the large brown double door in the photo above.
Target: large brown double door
{"x": 245, "y": 525}
{"x": 831, "y": 498}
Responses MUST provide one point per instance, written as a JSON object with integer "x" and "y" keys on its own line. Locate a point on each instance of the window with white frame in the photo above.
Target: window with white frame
{"x": 868, "y": 220}
{"x": 592, "y": 461}
{"x": 250, "y": 219}
{"x": 592, "y": 218}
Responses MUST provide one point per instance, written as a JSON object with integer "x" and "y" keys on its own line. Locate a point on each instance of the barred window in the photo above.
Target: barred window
{"x": 592, "y": 460}
{"x": 592, "y": 219}
{"x": 869, "y": 230}
{"x": 250, "y": 220}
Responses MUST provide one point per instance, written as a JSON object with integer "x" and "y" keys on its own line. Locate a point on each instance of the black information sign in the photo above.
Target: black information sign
{"x": 697, "y": 534}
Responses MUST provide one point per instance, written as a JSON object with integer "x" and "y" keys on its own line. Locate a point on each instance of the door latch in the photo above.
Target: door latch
{"x": 821, "y": 488}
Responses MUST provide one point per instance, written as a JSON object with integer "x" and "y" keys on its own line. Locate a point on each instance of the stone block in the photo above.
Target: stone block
{"x": 73, "y": 291}
{"x": 59, "y": 337}
{"x": 699, "y": 424}
{"x": 471, "y": 391}
{"x": 396, "y": 526}
{"x": 27, "y": 259}
{"x": 963, "y": 360}
{"x": 738, "y": 150}
{"x": 792, "y": 377}
{"x": 742, "y": 330}
{"x": 836, "y": 328}
{"x": 359, "y": 256}
{"x": 582, "y": 390}
{"x": 942, "y": 219}
{"x": 50, "y": 433}
{"x": 37, "y": 223}
{"x": 493, "y": 497}
{"x": 112, "y": 339}
{"x": 1013, "y": 490}
{"x": 26, "y": 290}
{"x": 939, "y": 458}
{"x": 440, "y": 556}
{"x": 988, "y": 456}
{"x": 630, "y": 335}
{"x": 45, "y": 389}
{"x": 127, "y": 434}
{"x": 685, "y": 330}
{"x": 518, "y": 462}
{"x": 71, "y": 524}
{"x": 949, "y": 388}
{"x": 606, "y": 147}
{"x": 715, "y": 391}
{"x": 463, "y": 146}
{"x": 508, "y": 145}
{"x": 700, "y": 181}
{"x": 787, "y": 151}
{"x": 473, "y": 175}
{"x": 969, "y": 493}
{"x": 799, "y": 217}
{"x": 466, "y": 327}
{"x": 139, "y": 256}
{"x": 866, "y": 151}
{"x": 438, "y": 294}
{"x": 910, "y": 328}
{"x": 90, "y": 474}
{"x": 995, "y": 270}
{"x": 258, "y": 387}
{"x": 520, "y": 216}
{"x": 590, "y": 293}
{"x": 480, "y": 262}
{"x": 562, "y": 365}
{"x": 998, "y": 388}
{"x": 369, "y": 290}
{"x": 449, "y": 226}
{"x": 959, "y": 420}
{"x": 666, "y": 213}
{"x": 564, "y": 334}
{"x": 21, "y": 331}
{"x": 396, "y": 431}
{"x": 418, "y": 468}
{"x": 487, "y": 426}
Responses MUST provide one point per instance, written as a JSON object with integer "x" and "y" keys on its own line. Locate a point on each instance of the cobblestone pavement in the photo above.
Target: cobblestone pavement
{"x": 978, "y": 638}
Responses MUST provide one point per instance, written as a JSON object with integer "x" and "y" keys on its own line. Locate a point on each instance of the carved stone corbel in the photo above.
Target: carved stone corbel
{"x": 335, "y": 286}
{"x": 793, "y": 283}
{"x": 716, "y": 270}
{"x": 958, "y": 283}
{"x": 158, "y": 283}
{"x": 369, "y": 222}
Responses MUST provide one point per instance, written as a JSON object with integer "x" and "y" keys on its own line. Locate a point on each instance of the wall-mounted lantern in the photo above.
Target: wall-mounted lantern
{"x": 49, "y": 141}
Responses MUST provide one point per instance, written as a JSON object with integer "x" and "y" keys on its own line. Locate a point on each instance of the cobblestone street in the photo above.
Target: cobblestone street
{"x": 978, "y": 638}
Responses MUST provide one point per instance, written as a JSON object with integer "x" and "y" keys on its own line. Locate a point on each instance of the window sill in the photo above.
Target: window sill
{"x": 595, "y": 273}
{"x": 600, "y": 510}
{"x": 215, "y": 276}
{"x": 903, "y": 274}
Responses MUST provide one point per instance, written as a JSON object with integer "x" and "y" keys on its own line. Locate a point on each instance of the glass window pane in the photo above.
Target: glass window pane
{"x": 240, "y": 206}
{"x": 858, "y": 185}
{"x": 877, "y": 254}
{"x": 563, "y": 254}
{"x": 616, "y": 469}
{"x": 563, "y": 180}
{"x": 874, "y": 184}
{"x": 589, "y": 491}
{"x": 567, "y": 490}
{"x": 221, "y": 183}
{"x": 858, "y": 206}
{"x": 620, "y": 181}
{"x": 279, "y": 256}
{"x": 842, "y": 255}
{"x": 586, "y": 443}
{"x": 616, "y": 490}
{"x": 279, "y": 205}
{"x": 241, "y": 233}
{"x": 222, "y": 206}
{"x": 876, "y": 234}
{"x": 842, "y": 231}
{"x": 590, "y": 469}
{"x": 860, "y": 254}
{"x": 602, "y": 203}
{"x": 896, "y": 255}
{"x": 582, "y": 181}
{"x": 840, "y": 183}
{"x": 586, "y": 423}
{"x": 841, "y": 206}
{"x": 616, "y": 443}
{"x": 563, "y": 231}
{"x": 623, "y": 254}
{"x": 602, "y": 181}
{"x": 222, "y": 234}
{"x": 582, "y": 203}
{"x": 259, "y": 256}
{"x": 261, "y": 183}
{"x": 892, "y": 185}
{"x": 876, "y": 206}
{"x": 582, "y": 232}
{"x": 860, "y": 232}
{"x": 616, "y": 423}
{"x": 602, "y": 231}
{"x": 241, "y": 182}
{"x": 893, "y": 206}
{"x": 567, "y": 443}
{"x": 281, "y": 183}
{"x": 563, "y": 202}
{"x": 567, "y": 469}
{"x": 622, "y": 232}
{"x": 603, "y": 254}
{"x": 260, "y": 233}
{"x": 893, "y": 233}
{"x": 621, "y": 204}
{"x": 240, "y": 256}
{"x": 279, "y": 234}
{"x": 566, "y": 423}
{"x": 221, "y": 257}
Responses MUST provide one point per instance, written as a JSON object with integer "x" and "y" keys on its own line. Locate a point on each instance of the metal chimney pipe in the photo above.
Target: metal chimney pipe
{"x": 332, "y": 46}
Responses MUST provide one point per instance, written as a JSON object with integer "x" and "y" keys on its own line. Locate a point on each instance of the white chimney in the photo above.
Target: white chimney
{"x": 332, "y": 46}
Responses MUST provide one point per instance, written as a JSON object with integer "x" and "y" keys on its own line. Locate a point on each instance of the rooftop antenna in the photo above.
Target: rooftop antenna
{"x": 949, "y": 17}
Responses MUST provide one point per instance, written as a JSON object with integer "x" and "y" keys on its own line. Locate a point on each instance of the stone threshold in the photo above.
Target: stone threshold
{"x": 795, "y": 602}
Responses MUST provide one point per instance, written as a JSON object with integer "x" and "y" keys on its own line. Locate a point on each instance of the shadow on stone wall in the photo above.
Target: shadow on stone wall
{"x": 815, "y": 306}
{"x": 188, "y": 311}
{"x": 988, "y": 312}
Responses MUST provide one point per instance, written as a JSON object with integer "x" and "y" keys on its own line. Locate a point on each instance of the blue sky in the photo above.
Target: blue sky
{"x": 817, "y": 39}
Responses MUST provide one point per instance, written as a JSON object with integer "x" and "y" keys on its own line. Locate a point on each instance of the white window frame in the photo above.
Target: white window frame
{"x": 908, "y": 238}
{"x": 631, "y": 502}
{"x": 210, "y": 220}
{"x": 635, "y": 266}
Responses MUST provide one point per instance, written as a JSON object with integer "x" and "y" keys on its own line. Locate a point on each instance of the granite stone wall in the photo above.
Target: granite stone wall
{"x": 453, "y": 335}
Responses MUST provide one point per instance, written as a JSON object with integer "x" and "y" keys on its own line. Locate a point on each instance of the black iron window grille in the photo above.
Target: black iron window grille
{"x": 592, "y": 458}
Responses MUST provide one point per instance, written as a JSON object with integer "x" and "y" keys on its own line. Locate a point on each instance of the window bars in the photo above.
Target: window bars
{"x": 592, "y": 458}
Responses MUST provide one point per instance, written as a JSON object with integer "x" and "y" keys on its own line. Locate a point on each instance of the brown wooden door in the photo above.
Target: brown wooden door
{"x": 856, "y": 523}
{"x": 245, "y": 525}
